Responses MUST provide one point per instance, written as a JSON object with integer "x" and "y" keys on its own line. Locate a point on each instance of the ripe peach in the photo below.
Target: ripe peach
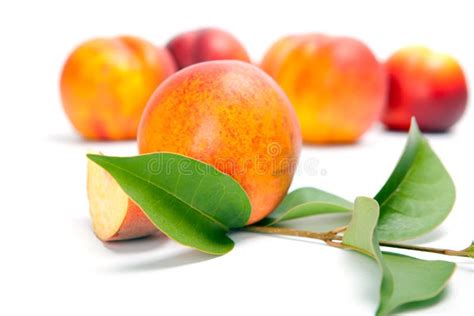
{"x": 428, "y": 85}
{"x": 206, "y": 45}
{"x": 336, "y": 84}
{"x": 231, "y": 115}
{"x": 105, "y": 84}
{"x": 114, "y": 215}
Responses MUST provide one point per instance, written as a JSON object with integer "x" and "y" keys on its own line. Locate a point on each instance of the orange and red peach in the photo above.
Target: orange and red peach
{"x": 427, "y": 85}
{"x": 232, "y": 115}
{"x": 205, "y": 45}
{"x": 106, "y": 82}
{"x": 335, "y": 84}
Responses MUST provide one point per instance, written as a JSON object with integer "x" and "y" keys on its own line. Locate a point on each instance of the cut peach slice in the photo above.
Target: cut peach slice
{"x": 114, "y": 215}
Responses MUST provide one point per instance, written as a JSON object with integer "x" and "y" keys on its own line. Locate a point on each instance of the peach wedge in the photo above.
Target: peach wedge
{"x": 114, "y": 215}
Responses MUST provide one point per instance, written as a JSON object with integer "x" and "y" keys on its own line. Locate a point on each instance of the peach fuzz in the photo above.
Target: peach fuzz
{"x": 205, "y": 45}
{"x": 106, "y": 82}
{"x": 428, "y": 85}
{"x": 233, "y": 116}
{"x": 114, "y": 215}
{"x": 335, "y": 84}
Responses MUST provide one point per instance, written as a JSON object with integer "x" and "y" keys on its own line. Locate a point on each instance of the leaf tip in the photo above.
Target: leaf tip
{"x": 367, "y": 202}
{"x": 414, "y": 128}
{"x": 93, "y": 157}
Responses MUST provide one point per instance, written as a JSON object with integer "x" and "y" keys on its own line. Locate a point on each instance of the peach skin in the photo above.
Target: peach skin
{"x": 427, "y": 85}
{"x": 106, "y": 82}
{"x": 205, "y": 45}
{"x": 233, "y": 116}
{"x": 335, "y": 84}
{"x": 114, "y": 215}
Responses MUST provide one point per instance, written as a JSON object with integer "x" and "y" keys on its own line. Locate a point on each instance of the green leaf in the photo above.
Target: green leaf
{"x": 404, "y": 279}
{"x": 419, "y": 194}
{"x": 306, "y": 202}
{"x": 190, "y": 201}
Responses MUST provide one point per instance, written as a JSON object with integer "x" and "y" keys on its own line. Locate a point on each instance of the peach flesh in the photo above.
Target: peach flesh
{"x": 114, "y": 215}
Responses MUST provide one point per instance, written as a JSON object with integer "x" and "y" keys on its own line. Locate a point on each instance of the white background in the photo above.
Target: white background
{"x": 51, "y": 263}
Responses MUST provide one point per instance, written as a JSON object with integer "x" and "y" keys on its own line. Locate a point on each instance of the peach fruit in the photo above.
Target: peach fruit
{"x": 106, "y": 82}
{"x": 233, "y": 116}
{"x": 427, "y": 85}
{"x": 336, "y": 85}
{"x": 114, "y": 215}
{"x": 206, "y": 45}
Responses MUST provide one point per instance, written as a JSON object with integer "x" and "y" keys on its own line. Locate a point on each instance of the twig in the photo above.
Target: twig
{"x": 331, "y": 236}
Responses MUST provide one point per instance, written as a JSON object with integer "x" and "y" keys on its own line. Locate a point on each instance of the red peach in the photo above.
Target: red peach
{"x": 206, "y": 45}
{"x": 427, "y": 85}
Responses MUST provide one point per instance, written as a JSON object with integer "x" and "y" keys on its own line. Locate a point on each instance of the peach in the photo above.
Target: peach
{"x": 233, "y": 116}
{"x": 427, "y": 85}
{"x": 106, "y": 82}
{"x": 206, "y": 45}
{"x": 336, "y": 85}
{"x": 114, "y": 215}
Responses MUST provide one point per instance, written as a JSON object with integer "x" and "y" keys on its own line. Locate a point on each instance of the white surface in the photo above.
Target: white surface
{"x": 52, "y": 264}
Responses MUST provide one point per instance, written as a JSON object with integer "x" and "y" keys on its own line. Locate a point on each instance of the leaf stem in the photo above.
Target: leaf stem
{"x": 446, "y": 252}
{"x": 332, "y": 236}
{"x": 338, "y": 230}
{"x": 291, "y": 232}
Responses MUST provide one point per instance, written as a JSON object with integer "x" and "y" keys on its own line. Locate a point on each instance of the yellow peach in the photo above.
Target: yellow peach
{"x": 336, "y": 85}
{"x": 106, "y": 82}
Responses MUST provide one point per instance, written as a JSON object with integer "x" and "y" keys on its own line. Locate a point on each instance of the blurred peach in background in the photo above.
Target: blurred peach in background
{"x": 426, "y": 84}
{"x": 106, "y": 83}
